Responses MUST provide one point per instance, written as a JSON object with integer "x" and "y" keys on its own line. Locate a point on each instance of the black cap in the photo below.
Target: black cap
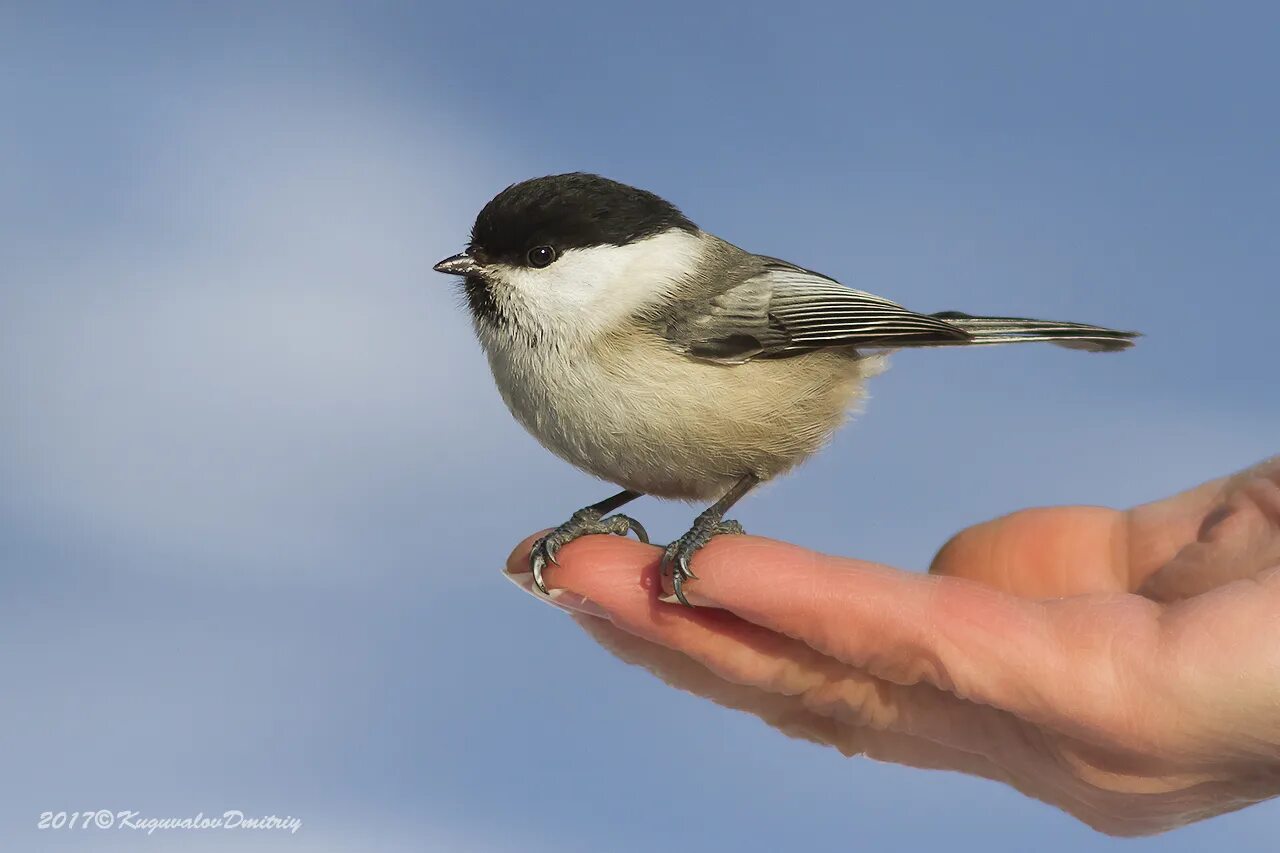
{"x": 570, "y": 211}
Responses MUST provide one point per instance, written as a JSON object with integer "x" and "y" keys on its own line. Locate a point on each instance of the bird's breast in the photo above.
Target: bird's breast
{"x": 630, "y": 410}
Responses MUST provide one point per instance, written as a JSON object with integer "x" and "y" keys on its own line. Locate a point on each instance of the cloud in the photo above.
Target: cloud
{"x": 231, "y": 364}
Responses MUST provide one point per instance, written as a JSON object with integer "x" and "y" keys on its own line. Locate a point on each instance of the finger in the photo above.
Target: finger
{"x": 784, "y": 713}
{"x": 620, "y": 579}
{"x": 1109, "y": 790}
{"x": 1078, "y": 665}
{"x": 1042, "y": 553}
{"x": 1159, "y": 530}
{"x": 1112, "y": 802}
{"x": 1240, "y": 539}
{"x": 1061, "y": 551}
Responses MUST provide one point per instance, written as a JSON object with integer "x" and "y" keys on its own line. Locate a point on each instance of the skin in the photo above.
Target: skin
{"x": 1123, "y": 666}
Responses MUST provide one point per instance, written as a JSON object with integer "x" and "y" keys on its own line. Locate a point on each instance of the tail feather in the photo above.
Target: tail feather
{"x": 1011, "y": 330}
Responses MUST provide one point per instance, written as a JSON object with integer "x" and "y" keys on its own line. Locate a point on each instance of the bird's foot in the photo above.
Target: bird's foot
{"x": 584, "y": 522}
{"x": 675, "y": 561}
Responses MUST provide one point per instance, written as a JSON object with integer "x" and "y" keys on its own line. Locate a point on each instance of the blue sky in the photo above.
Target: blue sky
{"x": 258, "y": 485}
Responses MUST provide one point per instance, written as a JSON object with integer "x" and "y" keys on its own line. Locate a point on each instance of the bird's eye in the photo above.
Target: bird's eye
{"x": 541, "y": 256}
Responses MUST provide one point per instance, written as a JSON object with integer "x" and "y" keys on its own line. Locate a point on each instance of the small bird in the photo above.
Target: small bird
{"x": 670, "y": 362}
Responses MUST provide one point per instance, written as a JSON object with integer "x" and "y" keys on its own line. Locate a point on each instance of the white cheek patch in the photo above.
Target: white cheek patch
{"x": 588, "y": 290}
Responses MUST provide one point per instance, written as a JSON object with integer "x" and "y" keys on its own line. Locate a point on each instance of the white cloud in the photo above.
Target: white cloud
{"x": 228, "y": 373}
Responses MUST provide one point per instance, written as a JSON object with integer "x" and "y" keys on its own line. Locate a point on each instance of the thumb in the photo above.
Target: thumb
{"x": 1240, "y": 538}
{"x": 1042, "y": 553}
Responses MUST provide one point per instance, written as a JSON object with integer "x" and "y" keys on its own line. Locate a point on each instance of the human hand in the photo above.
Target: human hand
{"x": 1122, "y": 666}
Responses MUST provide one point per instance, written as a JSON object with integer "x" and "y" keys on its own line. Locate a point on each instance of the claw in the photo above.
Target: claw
{"x": 621, "y": 525}
{"x": 536, "y": 563}
{"x": 683, "y": 562}
{"x": 677, "y": 583}
{"x": 583, "y": 522}
{"x": 679, "y": 554}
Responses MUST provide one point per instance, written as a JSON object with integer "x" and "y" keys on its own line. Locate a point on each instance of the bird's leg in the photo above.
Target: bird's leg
{"x": 710, "y": 523}
{"x": 584, "y": 522}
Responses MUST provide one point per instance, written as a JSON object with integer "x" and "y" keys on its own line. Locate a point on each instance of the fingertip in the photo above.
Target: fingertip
{"x": 518, "y": 561}
{"x": 1042, "y": 552}
{"x": 579, "y": 560}
{"x": 603, "y": 553}
{"x": 738, "y": 551}
{"x": 740, "y": 556}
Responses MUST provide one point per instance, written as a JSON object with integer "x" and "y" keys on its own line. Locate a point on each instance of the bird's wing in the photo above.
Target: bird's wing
{"x": 779, "y": 310}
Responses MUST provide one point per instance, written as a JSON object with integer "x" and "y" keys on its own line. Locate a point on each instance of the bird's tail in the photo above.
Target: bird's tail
{"x": 1016, "y": 330}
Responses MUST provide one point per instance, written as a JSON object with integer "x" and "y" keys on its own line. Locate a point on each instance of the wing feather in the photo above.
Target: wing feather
{"x": 781, "y": 310}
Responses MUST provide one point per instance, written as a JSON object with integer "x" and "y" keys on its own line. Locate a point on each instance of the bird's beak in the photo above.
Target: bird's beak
{"x": 462, "y": 264}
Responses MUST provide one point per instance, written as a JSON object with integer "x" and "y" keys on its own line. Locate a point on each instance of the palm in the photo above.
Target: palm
{"x": 1029, "y": 661}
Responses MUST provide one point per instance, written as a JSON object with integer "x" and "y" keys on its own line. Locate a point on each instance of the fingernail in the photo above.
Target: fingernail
{"x": 561, "y": 599}
{"x": 694, "y": 599}
{"x": 575, "y": 603}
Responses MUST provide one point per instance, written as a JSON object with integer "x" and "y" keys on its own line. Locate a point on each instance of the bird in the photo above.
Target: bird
{"x": 661, "y": 358}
